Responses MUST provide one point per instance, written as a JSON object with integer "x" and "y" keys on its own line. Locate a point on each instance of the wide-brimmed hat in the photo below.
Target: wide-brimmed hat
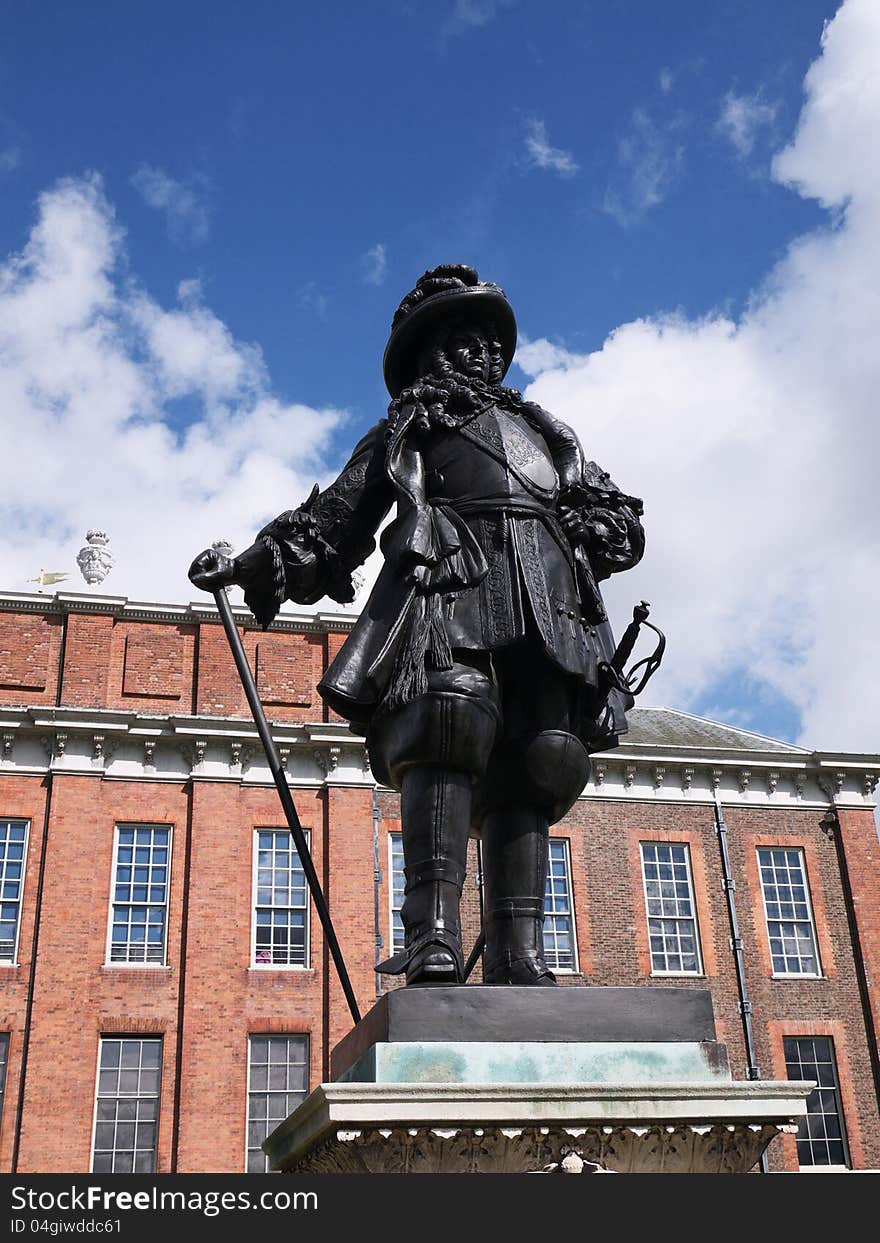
{"x": 452, "y": 291}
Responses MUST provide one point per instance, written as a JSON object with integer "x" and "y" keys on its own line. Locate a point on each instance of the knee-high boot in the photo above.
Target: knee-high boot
{"x": 435, "y": 810}
{"x": 514, "y": 848}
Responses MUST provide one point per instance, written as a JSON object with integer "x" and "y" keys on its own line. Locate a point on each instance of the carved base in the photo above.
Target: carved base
{"x": 715, "y": 1126}
{"x": 682, "y": 1149}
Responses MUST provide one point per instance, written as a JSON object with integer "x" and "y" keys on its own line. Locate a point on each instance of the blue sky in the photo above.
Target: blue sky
{"x": 217, "y": 208}
{"x": 309, "y": 134}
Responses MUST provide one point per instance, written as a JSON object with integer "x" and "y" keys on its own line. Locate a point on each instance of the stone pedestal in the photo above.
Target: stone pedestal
{"x": 516, "y": 1080}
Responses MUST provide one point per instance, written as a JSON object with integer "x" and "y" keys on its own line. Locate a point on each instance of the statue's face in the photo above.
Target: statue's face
{"x": 468, "y": 351}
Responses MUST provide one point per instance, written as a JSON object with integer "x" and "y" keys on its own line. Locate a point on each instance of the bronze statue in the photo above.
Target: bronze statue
{"x": 482, "y": 670}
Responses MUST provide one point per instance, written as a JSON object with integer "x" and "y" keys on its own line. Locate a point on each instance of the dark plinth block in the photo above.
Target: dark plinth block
{"x": 482, "y": 1013}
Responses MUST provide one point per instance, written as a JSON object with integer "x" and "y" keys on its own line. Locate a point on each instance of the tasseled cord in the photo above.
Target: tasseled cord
{"x": 426, "y": 645}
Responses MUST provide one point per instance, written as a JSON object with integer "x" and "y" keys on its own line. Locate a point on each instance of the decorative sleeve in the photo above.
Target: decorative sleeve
{"x": 614, "y": 536}
{"x": 312, "y": 551}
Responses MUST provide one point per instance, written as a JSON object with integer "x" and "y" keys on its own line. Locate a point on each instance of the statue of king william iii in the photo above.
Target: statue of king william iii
{"x": 475, "y": 668}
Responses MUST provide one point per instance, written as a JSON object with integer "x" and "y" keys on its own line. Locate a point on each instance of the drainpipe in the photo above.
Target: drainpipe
{"x": 377, "y": 881}
{"x": 753, "y": 1071}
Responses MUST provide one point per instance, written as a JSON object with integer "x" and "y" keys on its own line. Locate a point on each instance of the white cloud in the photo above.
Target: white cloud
{"x": 742, "y": 119}
{"x": 92, "y": 369}
{"x": 539, "y": 153}
{"x": 649, "y": 157}
{"x": 473, "y": 14}
{"x": 374, "y": 264}
{"x": 755, "y": 441}
{"x": 311, "y": 298}
{"x": 181, "y": 202}
{"x": 666, "y": 79}
{"x": 533, "y": 357}
{"x": 10, "y": 158}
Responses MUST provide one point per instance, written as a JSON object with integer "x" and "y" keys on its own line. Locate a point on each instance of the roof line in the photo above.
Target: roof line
{"x": 703, "y": 720}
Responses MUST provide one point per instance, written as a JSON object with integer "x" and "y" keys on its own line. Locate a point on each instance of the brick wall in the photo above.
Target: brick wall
{"x": 208, "y": 998}
{"x": 611, "y": 831}
{"x": 112, "y": 662}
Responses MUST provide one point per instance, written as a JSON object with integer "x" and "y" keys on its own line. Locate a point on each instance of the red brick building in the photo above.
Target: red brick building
{"x": 165, "y": 990}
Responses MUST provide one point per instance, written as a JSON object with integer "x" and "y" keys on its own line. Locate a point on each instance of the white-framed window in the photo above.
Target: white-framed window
{"x": 396, "y": 882}
{"x": 139, "y": 902}
{"x": 13, "y": 851}
{"x": 673, "y": 934}
{"x": 560, "y": 943}
{"x": 821, "y": 1136}
{"x": 127, "y": 1105}
{"x": 281, "y": 905}
{"x": 790, "y": 927}
{"x": 278, "y": 1081}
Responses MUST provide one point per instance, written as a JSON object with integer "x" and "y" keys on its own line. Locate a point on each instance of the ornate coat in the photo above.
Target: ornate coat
{"x": 475, "y": 559}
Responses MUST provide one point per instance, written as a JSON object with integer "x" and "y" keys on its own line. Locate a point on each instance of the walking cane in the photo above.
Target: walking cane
{"x": 253, "y": 698}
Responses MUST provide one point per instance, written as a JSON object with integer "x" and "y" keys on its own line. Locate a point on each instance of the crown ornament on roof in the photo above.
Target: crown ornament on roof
{"x": 225, "y": 549}
{"x": 95, "y": 560}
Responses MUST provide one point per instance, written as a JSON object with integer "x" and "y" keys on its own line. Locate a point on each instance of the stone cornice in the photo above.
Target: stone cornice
{"x": 132, "y": 746}
{"x": 123, "y": 609}
{"x": 127, "y": 745}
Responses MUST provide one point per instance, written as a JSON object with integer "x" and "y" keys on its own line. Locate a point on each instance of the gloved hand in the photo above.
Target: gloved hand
{"x": 211, "y": 570}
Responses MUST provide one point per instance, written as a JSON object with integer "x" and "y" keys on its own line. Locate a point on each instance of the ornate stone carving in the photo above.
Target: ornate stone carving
{"x": 629, "y": 775}
{"x": 716, "y": 776}
{"x": 8, "y": 744}
{"x": 772, "y": 782}
{"x": 687, "y": 777}
{"x": 193, "y": 752}
{"x": 869, "y": 784}
{"x": 284, "y": 753}
{"x": 240, "y": 756}
{"x": 54, "y": 744}
{"x": 600, "y": 768}
{"x": 673, "y": 1148}
{"x": 799, "y": 781}
{"x": 95, "y": 559}
{"x": 103, "y": 748}
{"x": 327, "y": 759}
{"x": 832, "y": 785}
{"x": 150, "y": 754}
{"x": 659, "y": 774}
{"x": 745, "y": 777}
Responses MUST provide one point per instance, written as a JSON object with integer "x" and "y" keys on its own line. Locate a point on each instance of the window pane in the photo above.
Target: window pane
{"x": 127, "y": 1105}
{"x": 821, "y": 1137}
{"x": 278, "y": 1083}
{"x": 140, "y": 895}
{"x": 790, "y": 928}
{"x": 395, "y": 888}
{"x": 281, "y": 911}
{"x": 559, "y": 941}
{"x": 12, "y": 837}
{"x": 670, "y": 906}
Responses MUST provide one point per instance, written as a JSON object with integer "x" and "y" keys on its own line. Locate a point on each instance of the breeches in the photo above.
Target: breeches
{"x": 509, "y": 718}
